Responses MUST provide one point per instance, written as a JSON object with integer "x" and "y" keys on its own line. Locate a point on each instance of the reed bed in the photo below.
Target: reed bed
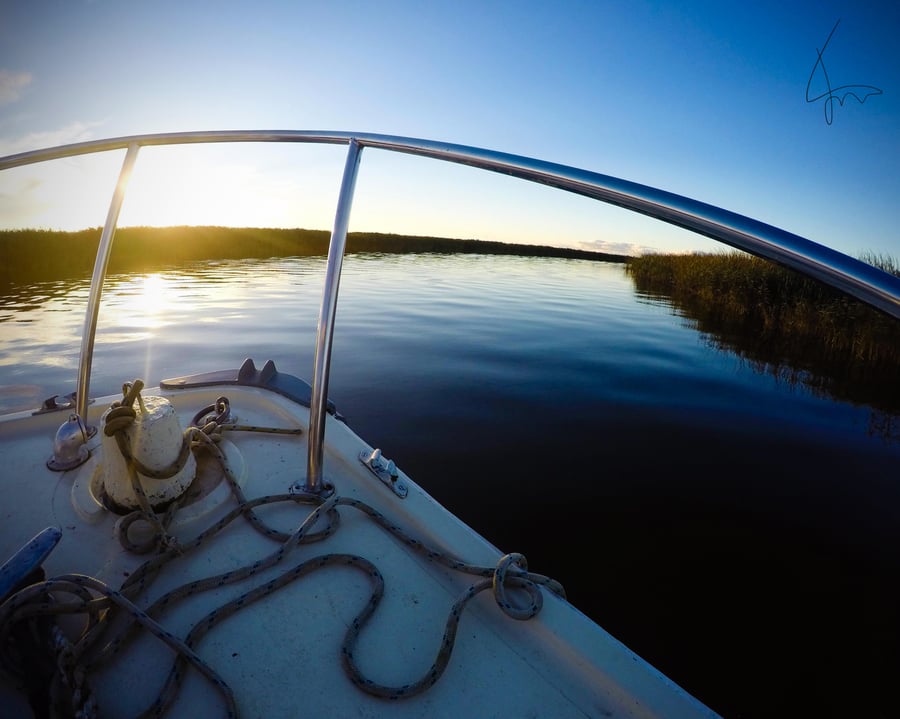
{"x": 775, "y": 300}
{"x": 35, "y": 254}
{"x": 782, "y": 322}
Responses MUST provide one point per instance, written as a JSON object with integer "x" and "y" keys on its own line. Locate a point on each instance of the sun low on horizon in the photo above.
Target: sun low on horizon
{"x": 297, "y": 186}
{"x": 786, "y": 113}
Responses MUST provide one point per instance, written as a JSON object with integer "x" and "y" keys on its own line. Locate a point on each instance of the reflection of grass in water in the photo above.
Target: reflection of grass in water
{"x": 787, "y": 325}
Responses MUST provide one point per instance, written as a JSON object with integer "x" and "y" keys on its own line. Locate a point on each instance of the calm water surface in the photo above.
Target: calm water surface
{"x": 737, "y": 532}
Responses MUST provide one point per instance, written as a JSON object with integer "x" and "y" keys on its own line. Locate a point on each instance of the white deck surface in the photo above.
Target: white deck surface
{"x": 281, "y": 656}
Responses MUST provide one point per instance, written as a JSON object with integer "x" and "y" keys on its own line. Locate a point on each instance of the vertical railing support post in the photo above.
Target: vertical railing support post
{"x": 103, "y": 251}
{"x": 69, "y": 445}
{"x": 325, "y": 332}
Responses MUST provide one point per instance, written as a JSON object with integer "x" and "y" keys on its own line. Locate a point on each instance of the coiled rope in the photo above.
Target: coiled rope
{"x": 107, "y": 608}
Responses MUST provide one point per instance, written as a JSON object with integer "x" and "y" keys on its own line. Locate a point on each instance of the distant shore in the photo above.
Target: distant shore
{"x": 34, "y": 254}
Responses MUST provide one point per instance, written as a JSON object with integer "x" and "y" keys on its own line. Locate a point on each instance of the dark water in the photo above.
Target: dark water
{"x": 735, "y": 530}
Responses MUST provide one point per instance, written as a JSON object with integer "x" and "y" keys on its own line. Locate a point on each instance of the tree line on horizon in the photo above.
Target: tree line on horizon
{"x": 33, "y": 254}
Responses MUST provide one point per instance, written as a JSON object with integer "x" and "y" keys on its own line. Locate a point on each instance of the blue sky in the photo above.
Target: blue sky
{"x": 705, "y": 99}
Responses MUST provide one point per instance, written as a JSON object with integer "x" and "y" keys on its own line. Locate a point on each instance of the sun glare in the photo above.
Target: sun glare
{"x": 227, "y": 186}
{"x": 144, "y": 303}
{"x": 267, "y": 185}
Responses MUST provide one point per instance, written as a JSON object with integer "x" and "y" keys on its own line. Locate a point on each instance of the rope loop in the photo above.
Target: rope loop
{"x": 131, "y": 391}
{"x": 155, "y": 536}
{"x": 512, "y": 573}
{"x": 219, "y": 412}
{"x": 113, "y": 615}
{"x": 119, "y": 419}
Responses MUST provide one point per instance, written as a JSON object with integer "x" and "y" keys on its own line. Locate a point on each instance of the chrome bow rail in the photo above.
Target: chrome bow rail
{"x": 863, "y": 281}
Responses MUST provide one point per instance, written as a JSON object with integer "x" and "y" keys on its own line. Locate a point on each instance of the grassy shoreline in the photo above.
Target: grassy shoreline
{"x": 783, "y": 323}
{"x": 765, "y": 295}
{"x": 36, "y": 254}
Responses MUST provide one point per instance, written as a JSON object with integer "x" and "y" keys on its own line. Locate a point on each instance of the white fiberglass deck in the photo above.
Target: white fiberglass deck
{"x": 281, "y": 656}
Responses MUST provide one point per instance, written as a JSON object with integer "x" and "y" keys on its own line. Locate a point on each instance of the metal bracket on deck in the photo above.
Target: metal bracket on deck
{"x": 385, "y": 470}
{"x": 52, "y": 405}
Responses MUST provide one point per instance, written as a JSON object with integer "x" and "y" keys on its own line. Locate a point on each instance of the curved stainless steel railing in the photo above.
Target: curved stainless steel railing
{"x": 859, "y": 279}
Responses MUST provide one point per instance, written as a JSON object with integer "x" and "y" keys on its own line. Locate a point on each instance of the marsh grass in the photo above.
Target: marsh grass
{"x": 35, "y": 254}
{"x": 881, "y": 261}
{"x": 783, "y": 323}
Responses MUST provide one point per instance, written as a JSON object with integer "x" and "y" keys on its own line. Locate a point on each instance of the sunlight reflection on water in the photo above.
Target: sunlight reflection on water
{"x": 530, "y": 393}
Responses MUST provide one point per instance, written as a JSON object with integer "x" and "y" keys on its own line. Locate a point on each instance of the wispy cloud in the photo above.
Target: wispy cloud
{"x": 11, "y": 84}
{"x": 615, "y": 248}
{"x": 73, "y": 132}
